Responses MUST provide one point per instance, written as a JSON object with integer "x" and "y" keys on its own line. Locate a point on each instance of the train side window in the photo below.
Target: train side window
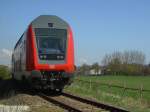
{"x": 24, "y": 45}
{"x": 20, "y": 65}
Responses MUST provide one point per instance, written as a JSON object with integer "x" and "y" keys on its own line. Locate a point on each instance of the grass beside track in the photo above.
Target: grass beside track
{"x": 129, "y": 99}
{"x": 130, "y": 81}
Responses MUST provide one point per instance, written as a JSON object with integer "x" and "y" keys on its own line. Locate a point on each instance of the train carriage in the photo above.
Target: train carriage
{"x": 44, "y": 55}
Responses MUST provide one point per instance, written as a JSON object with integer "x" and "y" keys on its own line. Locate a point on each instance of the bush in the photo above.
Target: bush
{"x": 4, "y": 72}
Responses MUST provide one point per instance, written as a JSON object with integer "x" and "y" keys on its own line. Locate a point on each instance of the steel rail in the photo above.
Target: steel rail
{"x": 95, "y": 103}
{"x": 61, "y": 104}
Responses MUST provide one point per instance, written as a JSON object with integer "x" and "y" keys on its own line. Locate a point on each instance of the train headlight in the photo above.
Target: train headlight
{"x": 41, "y": 56}
{"x": 61, "y": 57}
{"x": 44, "y": 56}
{"x": 58, "y": 57}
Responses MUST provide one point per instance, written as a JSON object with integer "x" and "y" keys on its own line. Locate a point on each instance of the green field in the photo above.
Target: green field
{"x": 133, "y": 100}
{"x": 129, "y": 81}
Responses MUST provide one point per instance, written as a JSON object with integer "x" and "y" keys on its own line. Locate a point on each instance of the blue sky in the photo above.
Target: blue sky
{"x": 99, "y": 26}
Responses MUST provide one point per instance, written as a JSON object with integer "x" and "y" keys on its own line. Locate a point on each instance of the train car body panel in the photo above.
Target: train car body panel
{"x": 45, "y": 52}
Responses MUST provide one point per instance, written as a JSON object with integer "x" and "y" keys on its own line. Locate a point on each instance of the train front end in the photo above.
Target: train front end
{"x": 50, "y": 52}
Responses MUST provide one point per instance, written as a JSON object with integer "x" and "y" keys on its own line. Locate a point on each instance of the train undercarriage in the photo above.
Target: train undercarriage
{"x": 54, "y": 80}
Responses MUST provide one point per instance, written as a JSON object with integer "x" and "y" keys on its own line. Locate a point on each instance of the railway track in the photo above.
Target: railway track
{"x": 74, "y": 103}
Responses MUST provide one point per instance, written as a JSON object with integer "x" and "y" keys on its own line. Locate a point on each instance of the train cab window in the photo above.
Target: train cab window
{"x": 51, "y": 39}
{"x": 50, "y": 43}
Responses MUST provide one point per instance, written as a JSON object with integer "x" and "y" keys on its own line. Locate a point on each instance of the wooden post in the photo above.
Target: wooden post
{"x": 90, "y": 84}
{"x": 97, "y": 85}
{"x": 109, "y": 86}
{"x": 141, "y": 90}
{"x": 124, "y": 87}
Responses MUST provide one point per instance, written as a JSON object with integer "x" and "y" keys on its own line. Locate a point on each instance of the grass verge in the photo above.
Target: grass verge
{"x": 128, "y": 99}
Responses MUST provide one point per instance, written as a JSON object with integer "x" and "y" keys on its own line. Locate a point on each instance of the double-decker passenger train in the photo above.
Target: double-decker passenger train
{"x": 44, "y": 54}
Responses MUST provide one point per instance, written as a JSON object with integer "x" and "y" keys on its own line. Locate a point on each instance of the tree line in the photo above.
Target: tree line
{"x": 126, "y": 63}
{"x": 120, "y": 63}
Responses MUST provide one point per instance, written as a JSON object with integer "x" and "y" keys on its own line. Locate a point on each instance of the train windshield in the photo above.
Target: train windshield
{"x": 51, "y": 41}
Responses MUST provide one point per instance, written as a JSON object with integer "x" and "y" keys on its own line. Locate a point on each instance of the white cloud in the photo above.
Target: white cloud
{"x": 83, "y": 60}
{"x": 6, "y": 52}
{"x": 5, "y": 56}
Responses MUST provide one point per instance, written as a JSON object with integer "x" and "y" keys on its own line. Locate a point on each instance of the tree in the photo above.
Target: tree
{"x": 127, "y": 62}
{"x": 96, "y": 67}
{"x": 133, "y": 57}
{"x": 4, "y": 72}
{"x": 106, "y": 60}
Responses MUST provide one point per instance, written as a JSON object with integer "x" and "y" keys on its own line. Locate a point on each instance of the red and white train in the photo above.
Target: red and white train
{"x": 44, "y": 54}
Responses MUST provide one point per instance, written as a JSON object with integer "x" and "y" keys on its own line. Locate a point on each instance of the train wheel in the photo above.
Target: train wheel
{"x": 13, "y": 79}
{"x": 12, "y": 76}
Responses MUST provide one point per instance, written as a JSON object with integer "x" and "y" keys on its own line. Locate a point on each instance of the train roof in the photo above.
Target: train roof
{"x": 46, "y": 21}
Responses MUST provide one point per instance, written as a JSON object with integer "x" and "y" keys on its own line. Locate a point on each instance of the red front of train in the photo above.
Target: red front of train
{"x": 44, "y": 55}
